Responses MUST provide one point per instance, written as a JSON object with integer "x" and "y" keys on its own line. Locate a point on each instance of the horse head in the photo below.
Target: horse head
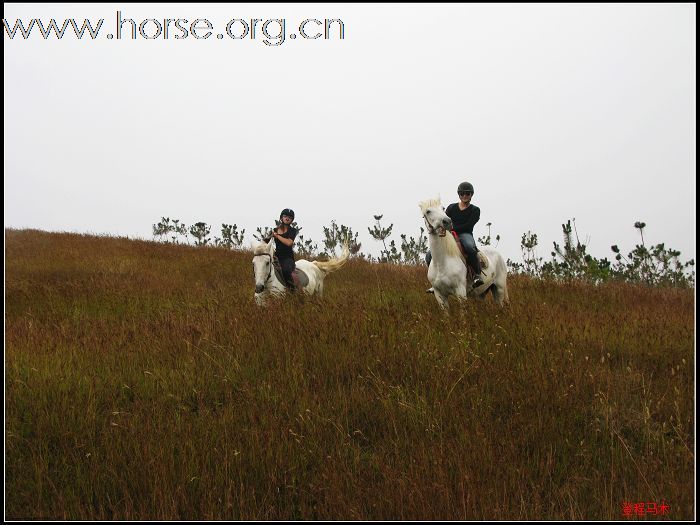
{"x": 435, "y": 217}
{"x": 262, "y": 264}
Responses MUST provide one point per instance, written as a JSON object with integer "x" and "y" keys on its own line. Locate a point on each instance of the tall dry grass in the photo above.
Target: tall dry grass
{"x": 143, "y": 383}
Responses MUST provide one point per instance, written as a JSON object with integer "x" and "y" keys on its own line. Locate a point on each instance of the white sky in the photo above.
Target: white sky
{"x": 551, "y": 111}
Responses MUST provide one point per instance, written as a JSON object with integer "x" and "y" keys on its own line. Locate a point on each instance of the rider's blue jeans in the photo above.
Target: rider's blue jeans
{"x": 467, "y": 240}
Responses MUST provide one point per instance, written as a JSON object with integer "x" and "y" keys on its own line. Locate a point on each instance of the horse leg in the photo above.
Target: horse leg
{"x": 441, "y": 299}
{"x": 462, "y": 291}
{"x": 500, "y": 293}
{"x": 500, "y": 286}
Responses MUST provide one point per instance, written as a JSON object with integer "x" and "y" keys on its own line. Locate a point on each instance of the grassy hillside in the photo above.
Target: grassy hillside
{"x": 143, "y": 383}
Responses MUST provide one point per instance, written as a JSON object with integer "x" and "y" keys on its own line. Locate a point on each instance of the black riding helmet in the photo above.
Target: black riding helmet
{"x": 465, "y": 186}
{"x": 287, "y": 212}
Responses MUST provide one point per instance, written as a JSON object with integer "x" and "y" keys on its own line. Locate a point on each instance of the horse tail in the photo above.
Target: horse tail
{"x": 334, "y": 264}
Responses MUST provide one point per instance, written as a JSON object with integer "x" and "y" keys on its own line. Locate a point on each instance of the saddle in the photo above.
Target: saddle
{"x": 482, "y": 258}
{"x": 301, "y": 280}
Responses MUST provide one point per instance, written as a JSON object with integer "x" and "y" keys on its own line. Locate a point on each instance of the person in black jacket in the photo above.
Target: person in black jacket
{"x": 464, "y": 216}
{"x": 284, "y": 236}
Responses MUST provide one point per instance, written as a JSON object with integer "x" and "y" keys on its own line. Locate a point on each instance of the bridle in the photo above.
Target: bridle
{"x": 269, "y": 275}
{"x": 434, "y": 231}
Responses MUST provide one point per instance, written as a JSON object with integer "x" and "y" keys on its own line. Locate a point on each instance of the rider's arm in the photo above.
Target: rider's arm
{"x": 284, "y": 240}
{"x": 449, "y": 211}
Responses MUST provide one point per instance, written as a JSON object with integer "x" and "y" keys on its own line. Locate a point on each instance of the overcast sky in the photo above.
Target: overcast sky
{"x": 551, "y": 111}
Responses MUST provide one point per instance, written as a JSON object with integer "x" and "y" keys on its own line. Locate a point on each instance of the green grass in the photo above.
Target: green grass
{"x": 143, "y": 383}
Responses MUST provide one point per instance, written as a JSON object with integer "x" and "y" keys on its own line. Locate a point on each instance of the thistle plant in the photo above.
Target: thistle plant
{"x": 528, "y": 244}
{"x": 388, "y": 254}
{"x": 165, "y": 227}
{"x": 230, "y": 238}
{"x": 336, "y": 236}
{"x": 486, "y": 241}
{"x": 657, "y": 265}
{"x": 200, "y": 231}
{"x": 305, "y": 248}
{"x": 414, "y": 250}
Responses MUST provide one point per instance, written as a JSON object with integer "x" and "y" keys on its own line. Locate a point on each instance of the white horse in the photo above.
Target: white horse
{"x": 268, "y": 283}
{"x": 448, "y": 269}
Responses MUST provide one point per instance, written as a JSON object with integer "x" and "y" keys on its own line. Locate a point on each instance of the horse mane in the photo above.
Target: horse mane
{"x": 261, "y": 249}
{"x": 430, "y": 203}
{"x": 451, "y": 247}
{"x": 448, "y": 241}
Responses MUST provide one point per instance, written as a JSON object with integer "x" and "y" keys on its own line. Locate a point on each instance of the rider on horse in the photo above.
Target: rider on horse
{"x": 464, "y": 216}
{"x": 284, "y": 236}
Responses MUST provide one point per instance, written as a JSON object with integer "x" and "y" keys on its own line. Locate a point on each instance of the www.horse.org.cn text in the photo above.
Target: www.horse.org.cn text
{"x": 271, "y": 32}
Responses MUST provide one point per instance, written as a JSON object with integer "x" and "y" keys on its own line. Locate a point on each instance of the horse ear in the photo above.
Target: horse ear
{"x": 271, "y": 246}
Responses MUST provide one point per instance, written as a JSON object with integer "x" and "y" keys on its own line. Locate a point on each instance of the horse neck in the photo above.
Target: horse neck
{"x": 274, "y": 282}
{"x": 438, "y": 248}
